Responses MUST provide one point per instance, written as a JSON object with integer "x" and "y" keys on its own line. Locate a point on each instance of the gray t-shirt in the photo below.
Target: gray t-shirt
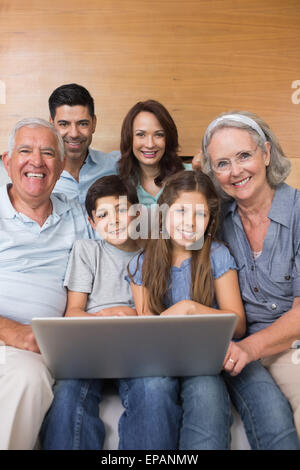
{"x": 99, "y": 269}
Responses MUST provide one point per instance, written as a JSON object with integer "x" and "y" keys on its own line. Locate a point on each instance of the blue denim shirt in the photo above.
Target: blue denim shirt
{"x": 96, "y": 165}
{"x": 271, "y": 282}
{"x": 179, "y": 289}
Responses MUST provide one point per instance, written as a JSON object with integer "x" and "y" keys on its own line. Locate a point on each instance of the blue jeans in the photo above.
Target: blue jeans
{"x": 207, "y": 415}
{"x": 151, "y": 419}
{"x": 266, "y": 413}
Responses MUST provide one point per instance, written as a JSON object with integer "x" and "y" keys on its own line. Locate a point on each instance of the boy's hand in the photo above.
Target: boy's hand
{"x": 121, "y": 311}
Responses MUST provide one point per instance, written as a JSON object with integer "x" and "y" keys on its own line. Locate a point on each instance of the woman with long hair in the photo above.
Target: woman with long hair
{"x": 149, "y": 149}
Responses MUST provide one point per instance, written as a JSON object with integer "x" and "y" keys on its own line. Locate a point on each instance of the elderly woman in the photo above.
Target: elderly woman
{"x": 261, "y": 224}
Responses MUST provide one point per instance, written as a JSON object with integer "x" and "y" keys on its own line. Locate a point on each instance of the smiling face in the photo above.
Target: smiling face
{"x": 111, "y": 220}
{"x": 34, "y": 166}
{"x": 187, "y": 219}
{"x": 149, "y": 142}
{"x": 76, "y": 126}
{"x": 245, "y": 181}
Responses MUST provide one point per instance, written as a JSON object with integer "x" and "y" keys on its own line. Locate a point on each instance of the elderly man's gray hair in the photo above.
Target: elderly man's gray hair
{"x": 34, "y": 123}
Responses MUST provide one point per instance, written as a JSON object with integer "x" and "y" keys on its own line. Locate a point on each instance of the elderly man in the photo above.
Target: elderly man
{"x": 72, "y": 113}
{"x": 37, "y": 230}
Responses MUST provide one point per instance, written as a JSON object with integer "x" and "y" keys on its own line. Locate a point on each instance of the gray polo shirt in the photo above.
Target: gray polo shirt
{"x": 99, "y": 269}
{"x": 33, "y": 259}
{"x": 271, "y": 282}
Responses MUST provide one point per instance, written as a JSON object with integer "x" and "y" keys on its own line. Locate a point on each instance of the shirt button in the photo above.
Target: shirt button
{"x": 273, "y": 306}
{"x": 255, "y": 289}
{"x": 252, "y": 268}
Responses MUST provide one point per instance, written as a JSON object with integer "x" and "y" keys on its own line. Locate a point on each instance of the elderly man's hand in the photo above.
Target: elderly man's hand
{"x": 22, "y": 337}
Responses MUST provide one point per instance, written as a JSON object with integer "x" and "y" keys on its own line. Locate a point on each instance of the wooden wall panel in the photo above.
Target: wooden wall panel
{"x": 198, "y": 57}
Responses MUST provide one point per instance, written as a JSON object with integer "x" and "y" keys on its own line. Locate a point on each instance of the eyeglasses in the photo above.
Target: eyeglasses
{"x": 224, "y": 165}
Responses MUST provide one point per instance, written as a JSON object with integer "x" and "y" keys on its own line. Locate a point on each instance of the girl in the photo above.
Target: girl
{"x": 149, "y": 149}
{"x": 186, "y": 272}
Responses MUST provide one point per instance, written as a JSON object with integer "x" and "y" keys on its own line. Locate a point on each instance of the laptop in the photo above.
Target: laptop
{"x": 144, "y": 346}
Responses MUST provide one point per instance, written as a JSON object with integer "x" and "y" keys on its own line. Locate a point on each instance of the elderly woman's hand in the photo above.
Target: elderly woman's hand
{"x": 197, "y": 162}
{"x": 237, "y": 357}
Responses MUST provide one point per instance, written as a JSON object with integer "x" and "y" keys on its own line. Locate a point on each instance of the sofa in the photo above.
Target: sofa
{"x": 111, "y": 406}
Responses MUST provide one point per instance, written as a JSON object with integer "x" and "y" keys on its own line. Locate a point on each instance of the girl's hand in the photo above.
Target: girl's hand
{"x": 184, "y": 307}
{"x": 238, "y": 355}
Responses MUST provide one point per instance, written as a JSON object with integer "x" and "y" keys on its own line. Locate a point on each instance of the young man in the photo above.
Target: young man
{"x": 96, "y": 286}
{"x": 72, "y": 112}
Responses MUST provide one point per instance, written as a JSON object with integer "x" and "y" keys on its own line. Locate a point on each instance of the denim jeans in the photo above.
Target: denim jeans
{"x": 266, "y": 413}
{"x": 207, "y": 415}
{"x": 152, "y": 414}
{"x": 151, "y": 419}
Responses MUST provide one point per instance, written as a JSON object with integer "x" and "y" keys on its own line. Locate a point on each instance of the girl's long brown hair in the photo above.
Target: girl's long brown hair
{"x": 156, "y": 269}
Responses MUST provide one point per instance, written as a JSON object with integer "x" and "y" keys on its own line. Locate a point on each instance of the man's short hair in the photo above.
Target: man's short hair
{"x": 70, "y": 95}
{"x": 34, "y": 123}
{"x": 111, "y": 185}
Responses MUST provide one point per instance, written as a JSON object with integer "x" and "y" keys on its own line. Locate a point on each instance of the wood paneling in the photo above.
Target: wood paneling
{"x": 198, "y": 57}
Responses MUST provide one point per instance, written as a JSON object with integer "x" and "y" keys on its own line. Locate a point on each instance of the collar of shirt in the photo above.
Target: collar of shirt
{"x": 146, "y": 198}
{"x": 60, "y": 204}
{"x": 281, "y": 208}
{"x": 93, "y": 156}
{"x": 90, "y": 160}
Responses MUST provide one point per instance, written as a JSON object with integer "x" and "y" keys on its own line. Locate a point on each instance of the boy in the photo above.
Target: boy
{"x": 96, "y": 284}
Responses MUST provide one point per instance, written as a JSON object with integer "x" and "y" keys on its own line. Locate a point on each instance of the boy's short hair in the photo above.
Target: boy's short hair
{"x": 111, "y": 185}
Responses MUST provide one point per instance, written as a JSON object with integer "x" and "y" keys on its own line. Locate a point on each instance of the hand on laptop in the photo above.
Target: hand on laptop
{"x": 120, "y": 311}
{"x": 183, "y": 307}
